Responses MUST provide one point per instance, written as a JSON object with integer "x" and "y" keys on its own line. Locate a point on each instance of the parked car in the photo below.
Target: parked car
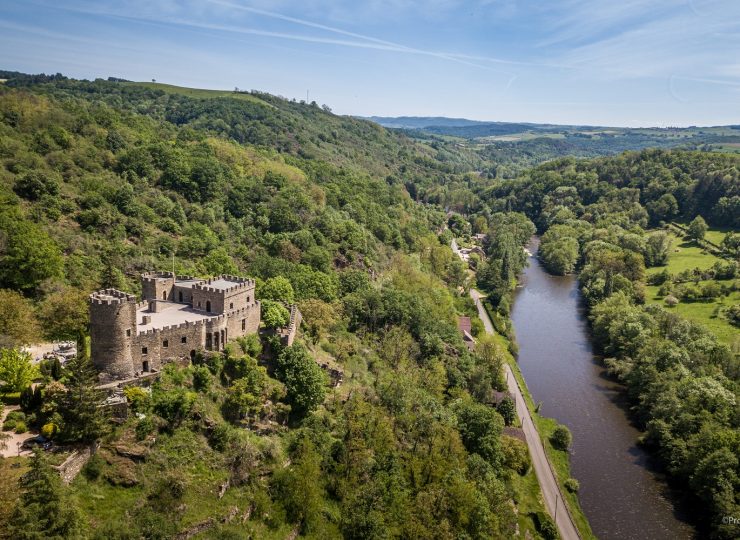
{"x": 38, "y": 441}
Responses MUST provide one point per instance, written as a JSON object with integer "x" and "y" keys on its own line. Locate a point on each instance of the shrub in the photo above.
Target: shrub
{"x": 13, "y": 418}
{"x": 20, "y": 427}
{"x": 516, "y": 455}
{"x": 572, "y": 485}
{"x": 49, "y": 430}
{"x": 138, "y": 398}
{"x": 144, "y": 428}
{"x": 671, "y": 301}
{"x": 93, "y": 468}
{"x": 561, "y": 438}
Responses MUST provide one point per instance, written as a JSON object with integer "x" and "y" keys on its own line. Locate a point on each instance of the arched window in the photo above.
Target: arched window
{"x": 164, "y": 295}
{"x": 208, "y": 306}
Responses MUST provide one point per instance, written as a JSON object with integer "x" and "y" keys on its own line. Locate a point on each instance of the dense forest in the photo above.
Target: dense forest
{"x": 605, "y": 219}
{"x": 103, "y": 180}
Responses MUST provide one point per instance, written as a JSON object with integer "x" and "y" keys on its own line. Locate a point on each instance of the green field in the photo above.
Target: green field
{"x": 199, "y": 93}
{"x": 687, "y": 256}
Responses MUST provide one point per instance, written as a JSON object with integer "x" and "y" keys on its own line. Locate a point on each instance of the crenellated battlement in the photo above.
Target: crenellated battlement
{"x": 148, "y": 277}
{"x": 238, "y": 283}
{"x": 111, "y": 297}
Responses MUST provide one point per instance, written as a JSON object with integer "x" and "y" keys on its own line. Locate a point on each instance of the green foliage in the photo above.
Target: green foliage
{"x": 17, "y": 370}
{"x": 18, "y": 324}
{"x": 515, "y": 455}
{"x": 83, "y": 418}
{"x": 274, "y": 314}
{"x": 697, "y": 229}
{"x": 572, "y": 485}
{"x": 304, "y": 380}
{"x": 480, "y": 429}
{"x": 44, "y": 510}
{"x": 29, "y": 256}
{"x": 561, "y": 437}
{"x": 507, "y": 409}
{"x": 139, "y": 400}
{"x": 278, "y": 289}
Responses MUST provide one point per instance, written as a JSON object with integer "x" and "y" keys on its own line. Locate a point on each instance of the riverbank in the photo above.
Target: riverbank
{"x": 620, "y": 491}
{"x": 557, "y": 460}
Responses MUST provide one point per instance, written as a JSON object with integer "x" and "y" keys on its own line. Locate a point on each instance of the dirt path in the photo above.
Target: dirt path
{"x": 545, "y": 474}
{"x": 12, "y": 446}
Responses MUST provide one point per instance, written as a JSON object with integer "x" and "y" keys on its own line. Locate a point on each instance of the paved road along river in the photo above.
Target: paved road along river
{"x": 621, "y": 496}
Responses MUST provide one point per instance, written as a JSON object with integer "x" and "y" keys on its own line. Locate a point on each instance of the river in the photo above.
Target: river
{"x": 620, "y": 494}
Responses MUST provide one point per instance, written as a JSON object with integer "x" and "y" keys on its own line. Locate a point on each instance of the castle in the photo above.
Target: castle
{"x": 178, "y": 316}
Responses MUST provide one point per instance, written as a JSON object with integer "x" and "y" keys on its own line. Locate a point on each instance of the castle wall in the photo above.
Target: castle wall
{"x": 201, "y": 297}
{"x": 154, "y": 341}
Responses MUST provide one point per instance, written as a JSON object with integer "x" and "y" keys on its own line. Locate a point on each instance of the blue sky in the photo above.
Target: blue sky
{"x": 603, "y": 62}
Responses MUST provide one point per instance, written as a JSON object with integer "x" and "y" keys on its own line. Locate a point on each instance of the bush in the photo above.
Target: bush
{"x": 138, "y": 398}
{"x": 516, "y": 455}
{"x": 93, "y": 468}
{"x": 144, "y": 428}
{"x": 572, "y": 485}
{"x": 49, "y": 430}
{"x": 14, "y": 418}
{"x": 671, "y": 301}
{"x": 561, "y": 438}
{"x": 20, "y": 427}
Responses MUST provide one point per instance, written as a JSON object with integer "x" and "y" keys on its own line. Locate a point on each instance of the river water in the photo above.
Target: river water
{"x": 620, "y": 494}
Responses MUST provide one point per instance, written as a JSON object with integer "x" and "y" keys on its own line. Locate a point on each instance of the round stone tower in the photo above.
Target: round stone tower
{"x": 112, "y": 329}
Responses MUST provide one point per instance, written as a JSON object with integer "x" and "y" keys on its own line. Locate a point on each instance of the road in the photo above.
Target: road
{"x": 545, "y": 474}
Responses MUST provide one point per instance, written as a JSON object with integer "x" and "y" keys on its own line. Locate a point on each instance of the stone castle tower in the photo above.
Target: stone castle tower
{"x": 112, "y": 322}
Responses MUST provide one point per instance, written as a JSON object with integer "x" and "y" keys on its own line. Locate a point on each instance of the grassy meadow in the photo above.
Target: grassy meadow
{"x": 688, "y": 256}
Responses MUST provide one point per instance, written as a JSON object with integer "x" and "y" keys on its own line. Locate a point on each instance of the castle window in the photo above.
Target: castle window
{"x": 144, "y": 350}
{"x": 231, "y": 305}
{"x": 179, "y": 296}
{"x": 244, "y": 324}
{"x": 164, "y": 295}
{"x": 208, "y": 306}
{"x": 128, "y": 332}
{"x": 198, "y": 303}
{"x": 183, "y": 339}
{"x": 166, "y": 343}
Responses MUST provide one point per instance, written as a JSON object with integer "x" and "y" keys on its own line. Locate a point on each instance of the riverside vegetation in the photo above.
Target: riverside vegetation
{"x": 604, "y": 219}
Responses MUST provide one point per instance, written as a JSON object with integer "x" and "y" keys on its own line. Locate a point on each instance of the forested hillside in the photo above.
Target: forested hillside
{"x": 103, "y": 180}
{"x": 607, "y": 220}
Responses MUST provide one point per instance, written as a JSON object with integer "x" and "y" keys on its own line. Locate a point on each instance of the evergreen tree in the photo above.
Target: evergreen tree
{"x": 84, "y": 419}
{"x": 43, "y": 511}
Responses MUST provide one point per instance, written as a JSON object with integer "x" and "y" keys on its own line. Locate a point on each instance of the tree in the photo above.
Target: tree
{"x": 64, "y": 314}
{"x": 303, "y": 378}
{"x": 277, "y": 288}
{"x": 17, "y": 370}
{"x": 697, "y": 229}
{"x": 274, "y": 314}
{"x": 83, "y": 418}
{"x": 561, "y": 437}
{"x": 507, "y": 410}
{"x": 318, "y": 316}
{"x": 44, "y": 510}
{"x": 18, "y": 324}
{"x": 480, "y": 428}
{"x": 29, "y": 256}
{"x": 300, "y": 486}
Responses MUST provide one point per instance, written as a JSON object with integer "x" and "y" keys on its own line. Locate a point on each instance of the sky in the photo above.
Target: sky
{"x": 632, "y": 63}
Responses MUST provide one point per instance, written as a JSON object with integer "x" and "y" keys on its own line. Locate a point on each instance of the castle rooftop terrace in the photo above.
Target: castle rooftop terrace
{"x": 173, "y": 314}
{"x": 188, "y": 282}
{"x": 222, "y": 283}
